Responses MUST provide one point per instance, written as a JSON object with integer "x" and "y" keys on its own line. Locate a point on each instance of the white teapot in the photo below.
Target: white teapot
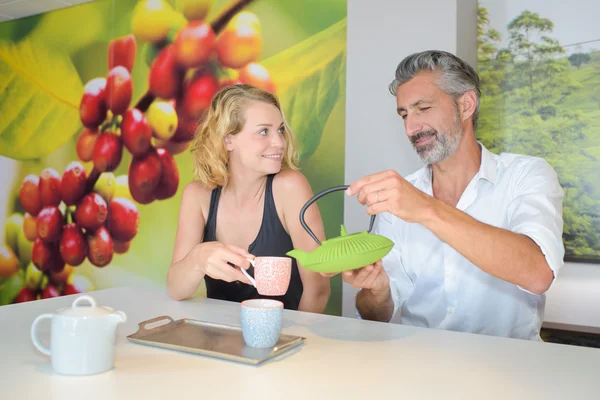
{"x": 82, "y": 339}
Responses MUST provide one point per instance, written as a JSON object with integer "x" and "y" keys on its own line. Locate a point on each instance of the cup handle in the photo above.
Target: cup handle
{"x": 251, "y": 279}
{"x": 34, "y": 336}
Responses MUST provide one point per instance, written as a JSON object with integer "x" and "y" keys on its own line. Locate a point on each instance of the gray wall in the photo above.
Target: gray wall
{"x": 380, "y": 34}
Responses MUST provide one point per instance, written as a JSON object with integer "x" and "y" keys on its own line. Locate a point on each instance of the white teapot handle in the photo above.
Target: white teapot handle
{"x": 34, "y": 336}
{"x": 90, "y": 299}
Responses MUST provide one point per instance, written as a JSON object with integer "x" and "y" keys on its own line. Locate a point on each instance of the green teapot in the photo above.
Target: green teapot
{"x": 342, "y": 253}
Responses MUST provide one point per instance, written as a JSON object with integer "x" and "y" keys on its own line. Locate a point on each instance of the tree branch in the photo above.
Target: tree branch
{"x": 227, "y": 14}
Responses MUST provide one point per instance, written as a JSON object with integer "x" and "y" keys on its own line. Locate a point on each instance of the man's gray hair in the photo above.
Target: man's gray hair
{"x": 456, "y": 76}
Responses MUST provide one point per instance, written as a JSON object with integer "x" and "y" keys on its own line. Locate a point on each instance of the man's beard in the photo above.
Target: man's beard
{"x": 441, "y": 147}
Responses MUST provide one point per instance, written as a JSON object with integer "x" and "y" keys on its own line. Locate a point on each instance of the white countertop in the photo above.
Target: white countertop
{"x": 343, "y": 358}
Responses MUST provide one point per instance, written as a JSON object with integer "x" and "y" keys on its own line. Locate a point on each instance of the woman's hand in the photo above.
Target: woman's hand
{"x": 214, "y": 259}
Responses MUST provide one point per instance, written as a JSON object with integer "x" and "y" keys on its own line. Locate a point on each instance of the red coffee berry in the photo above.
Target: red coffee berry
{"x": 123, "y": 219}
{"x": 49, "y": 224}
{"x": 85, "y": 144}
{"x": 169, "y": 178}
{"x": 100, "y": 247}
{"x": 29, "y": 195}
{"x": 91, "y": 212}
{"x": 165, "y": 75}
{"x": 50, "y": 291}
{"x": 194, "y": 44}
{"x": 108, "y": 152}
{"x": 46, "y": 256}
{"x": 119, "y": 89}
{"x": 136, "y": 132}
{"x": 73, "y": 246}
{"x": 92, "y": 108}
{"x": 199, "y": 92}
{"x": 25, "y": 295}
{"x": 121, "y": 51}
{"x": 73, "y": 183}
{"x": 49, "y": 186}
{"x": 144, "y": 176}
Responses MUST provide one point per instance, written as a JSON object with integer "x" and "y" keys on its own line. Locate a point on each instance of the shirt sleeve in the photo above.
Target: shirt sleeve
{"x": 536, "y": 211}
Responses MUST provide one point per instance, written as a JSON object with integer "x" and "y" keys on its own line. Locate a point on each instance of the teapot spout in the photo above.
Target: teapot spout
{"x": 297, "y": 254}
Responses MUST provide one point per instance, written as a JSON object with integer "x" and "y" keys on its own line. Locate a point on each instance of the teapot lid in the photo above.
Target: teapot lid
{"x": 92, "y": 310}
{"x": 345, "y": 252}
{"x": 351, "y": 245}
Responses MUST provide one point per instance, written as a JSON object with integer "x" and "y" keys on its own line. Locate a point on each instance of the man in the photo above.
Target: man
{"x": 478, "y": 236}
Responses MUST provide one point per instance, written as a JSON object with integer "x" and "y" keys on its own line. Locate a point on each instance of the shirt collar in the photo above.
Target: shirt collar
{"x": 487, "y": 168}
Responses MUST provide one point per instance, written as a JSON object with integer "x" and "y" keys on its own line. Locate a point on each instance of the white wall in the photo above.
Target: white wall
{"x": 573, "y": 303}
{"x": 380, "y": 34}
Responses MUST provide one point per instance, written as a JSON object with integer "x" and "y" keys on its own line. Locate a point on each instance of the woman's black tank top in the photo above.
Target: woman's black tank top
{"x": 272, "y": 240}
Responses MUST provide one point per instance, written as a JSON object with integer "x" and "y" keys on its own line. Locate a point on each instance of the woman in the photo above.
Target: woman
{"x": 245, "y": 203}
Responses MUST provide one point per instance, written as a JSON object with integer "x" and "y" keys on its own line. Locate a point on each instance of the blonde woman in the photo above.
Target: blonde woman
{"x": 245, "y": 203}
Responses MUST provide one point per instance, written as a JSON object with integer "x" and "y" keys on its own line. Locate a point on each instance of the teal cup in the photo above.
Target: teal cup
{"x": 261, "y": 322}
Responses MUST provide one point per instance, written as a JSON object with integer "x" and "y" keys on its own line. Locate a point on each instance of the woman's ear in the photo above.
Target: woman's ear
{"x": 228, "y": 144}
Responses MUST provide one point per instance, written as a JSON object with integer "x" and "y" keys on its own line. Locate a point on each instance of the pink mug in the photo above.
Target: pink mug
{"x": 271, "y": 275}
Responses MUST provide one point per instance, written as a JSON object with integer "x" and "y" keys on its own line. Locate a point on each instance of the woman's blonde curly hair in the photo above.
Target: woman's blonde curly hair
{"x": 225, "y": 116}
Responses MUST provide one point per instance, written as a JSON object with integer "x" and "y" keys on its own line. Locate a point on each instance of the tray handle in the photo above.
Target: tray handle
{"x": 143, "y": 326}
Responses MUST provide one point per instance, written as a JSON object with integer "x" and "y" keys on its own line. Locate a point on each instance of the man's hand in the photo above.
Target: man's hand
{"x": 374, "y": 301}
{"x": 371, "y": 277}
{"x": 389, "y": 192}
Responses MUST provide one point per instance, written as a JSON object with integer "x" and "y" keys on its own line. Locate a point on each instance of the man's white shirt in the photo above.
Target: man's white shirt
{"x": 434, "y": 286}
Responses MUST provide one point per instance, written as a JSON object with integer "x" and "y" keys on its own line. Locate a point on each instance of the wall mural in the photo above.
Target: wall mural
{"x": 539, "y": 63}
{"x": 98, "y": 104}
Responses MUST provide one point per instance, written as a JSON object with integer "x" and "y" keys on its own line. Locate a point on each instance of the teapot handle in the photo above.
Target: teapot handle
{"x": 315, "y": 198}
{"x": 34, "y": 335}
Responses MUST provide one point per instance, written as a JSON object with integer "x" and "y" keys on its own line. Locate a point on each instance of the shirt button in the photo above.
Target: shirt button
{"x": 450, "y": 310}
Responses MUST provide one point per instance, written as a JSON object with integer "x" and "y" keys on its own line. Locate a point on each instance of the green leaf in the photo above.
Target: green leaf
{"x": 40, "y": 92}
{"x": 17, "y": 29}
{"x": 303, "y": 12}
{"x": 309, "y": 80}
{"x": 73, "y": 28}
{"x": 324, "y": 169}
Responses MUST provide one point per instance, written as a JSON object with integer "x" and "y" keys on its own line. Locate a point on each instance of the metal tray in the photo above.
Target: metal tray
{"x": 207, "y": 338}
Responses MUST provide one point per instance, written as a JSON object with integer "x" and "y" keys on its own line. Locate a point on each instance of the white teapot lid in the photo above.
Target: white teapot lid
{"x": 85, "y": 311}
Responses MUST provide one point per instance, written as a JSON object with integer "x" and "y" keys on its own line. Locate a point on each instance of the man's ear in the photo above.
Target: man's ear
{"x": 468, "y": 103}
{"x": 228, "y": 144}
